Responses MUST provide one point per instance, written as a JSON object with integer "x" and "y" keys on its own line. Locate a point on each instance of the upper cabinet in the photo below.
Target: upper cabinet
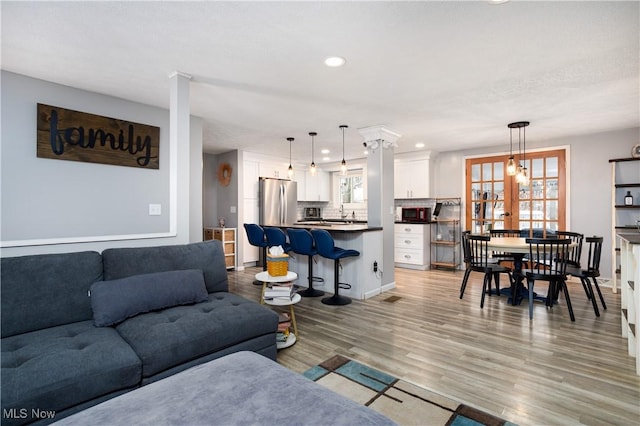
{"x": 317, "y": 188}
{"x": 300, "y": 177}
{"x": 250, "y": 182}
{"x": 411, "y": 178}
{"x": 271, "y": 169}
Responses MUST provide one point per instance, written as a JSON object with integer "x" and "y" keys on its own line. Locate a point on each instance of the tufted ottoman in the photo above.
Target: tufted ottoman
{"x": 242, "y": 388}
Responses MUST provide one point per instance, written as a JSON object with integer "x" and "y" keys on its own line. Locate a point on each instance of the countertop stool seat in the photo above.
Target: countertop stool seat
{"x": 326, "y": 248}
{"x": 301, "y": 242}
{"x": 257, "y": 238}
{"x": 276, "y": 237}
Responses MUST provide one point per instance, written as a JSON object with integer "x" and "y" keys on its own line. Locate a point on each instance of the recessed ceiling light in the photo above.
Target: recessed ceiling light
{"x": 497, "y": 1}
{"x": 366, "y": 152}
{"x": 325, "y": 151}
{"x": 326, "y": 158}
{"x": 419, "y": 145}
{"x": 334, "y": 61}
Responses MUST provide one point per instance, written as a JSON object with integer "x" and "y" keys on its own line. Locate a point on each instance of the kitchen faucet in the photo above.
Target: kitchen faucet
{"x": 343, "y": 215}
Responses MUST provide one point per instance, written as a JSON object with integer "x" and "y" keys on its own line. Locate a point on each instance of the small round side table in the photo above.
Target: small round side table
{"x": 265, "y": 278}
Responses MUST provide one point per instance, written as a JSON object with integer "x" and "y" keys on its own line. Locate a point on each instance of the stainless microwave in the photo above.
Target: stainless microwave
{"x": 416, "y": 214}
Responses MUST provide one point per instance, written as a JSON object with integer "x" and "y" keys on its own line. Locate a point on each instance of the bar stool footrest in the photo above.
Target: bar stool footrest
{"x": 345, "y": 286}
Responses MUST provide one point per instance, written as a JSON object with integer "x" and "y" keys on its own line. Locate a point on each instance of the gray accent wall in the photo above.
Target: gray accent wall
{"x": 91, "y": 206}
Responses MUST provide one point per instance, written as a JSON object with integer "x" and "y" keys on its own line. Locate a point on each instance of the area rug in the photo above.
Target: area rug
{"x": 402, "y": 402}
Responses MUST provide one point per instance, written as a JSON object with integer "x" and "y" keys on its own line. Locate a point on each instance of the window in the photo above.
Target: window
{"x": 351, "y": 188}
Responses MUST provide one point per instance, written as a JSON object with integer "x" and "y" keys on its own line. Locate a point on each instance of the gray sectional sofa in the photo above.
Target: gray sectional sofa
{"x": 81, "y": 328}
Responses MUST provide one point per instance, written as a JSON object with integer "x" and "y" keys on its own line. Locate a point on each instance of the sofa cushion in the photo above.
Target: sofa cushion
{"x": 207, "y": 256}
{"x": 116, "y": 300}
{"x": 40, "y": 291}
{"x": 60, "y": 367}
{"x": 173, "y": 336}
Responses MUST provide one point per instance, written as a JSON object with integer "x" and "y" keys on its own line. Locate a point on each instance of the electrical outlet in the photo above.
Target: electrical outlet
{"x": 375, "y": 266}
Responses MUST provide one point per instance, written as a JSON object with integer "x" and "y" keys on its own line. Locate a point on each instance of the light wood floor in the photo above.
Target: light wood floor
{"x": 548, "y": 371}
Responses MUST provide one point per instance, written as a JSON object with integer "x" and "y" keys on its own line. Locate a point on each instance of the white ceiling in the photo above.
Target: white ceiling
{"x": 449, "y": 74}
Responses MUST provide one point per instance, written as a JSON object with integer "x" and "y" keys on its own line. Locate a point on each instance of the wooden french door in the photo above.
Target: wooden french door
{"x": 495, "y": 200}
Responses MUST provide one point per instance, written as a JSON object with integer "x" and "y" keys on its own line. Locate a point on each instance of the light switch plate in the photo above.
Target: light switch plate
{"x": 155, "y": 209}
{"x": 232, "y": 209}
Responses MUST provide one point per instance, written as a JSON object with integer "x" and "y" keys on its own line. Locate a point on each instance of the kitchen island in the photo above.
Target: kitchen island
{"x": 630, "y": 295}
{"x": 356, "y": 271}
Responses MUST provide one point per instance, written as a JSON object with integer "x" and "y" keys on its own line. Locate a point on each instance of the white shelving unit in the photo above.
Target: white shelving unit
{"x": 445, "y": 235}
{"x": 625, "y": 177}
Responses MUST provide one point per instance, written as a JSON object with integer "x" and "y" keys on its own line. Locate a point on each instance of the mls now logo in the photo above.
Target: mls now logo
{"x": 23, "y": 413}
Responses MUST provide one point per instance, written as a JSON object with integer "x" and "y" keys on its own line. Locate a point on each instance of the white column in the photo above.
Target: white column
{"x": 179, "y": 155}
{"x": 380, "y": 143}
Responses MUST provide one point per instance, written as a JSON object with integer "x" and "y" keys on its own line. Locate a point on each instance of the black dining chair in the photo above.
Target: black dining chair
{"x": 478, "y": 258}
{"x": 591, "y": 273}
{"x": 552, "y": 272}
{"x": 501, "y": 233}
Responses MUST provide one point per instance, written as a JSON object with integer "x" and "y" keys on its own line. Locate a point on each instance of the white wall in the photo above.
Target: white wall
{"x": 89, "y": 206}
{"x": 589, "y": 205}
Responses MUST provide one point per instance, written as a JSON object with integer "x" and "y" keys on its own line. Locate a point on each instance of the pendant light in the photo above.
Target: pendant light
{"x": 511, "y": 164}
{"x": 521, "y": 174}
{"x": 312, "y": 169}
{"x": 290, "y": 170}
{"x": 343, "y": 165}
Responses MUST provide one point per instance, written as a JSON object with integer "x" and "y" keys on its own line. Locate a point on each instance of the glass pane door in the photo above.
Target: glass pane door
{"x": 495, "y": 200}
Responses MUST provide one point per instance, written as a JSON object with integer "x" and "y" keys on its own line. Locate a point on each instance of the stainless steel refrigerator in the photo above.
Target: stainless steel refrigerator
{"x": 278, "y": 201}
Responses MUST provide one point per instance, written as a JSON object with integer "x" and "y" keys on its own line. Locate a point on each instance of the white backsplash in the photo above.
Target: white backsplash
{"x": 331, "y": 212}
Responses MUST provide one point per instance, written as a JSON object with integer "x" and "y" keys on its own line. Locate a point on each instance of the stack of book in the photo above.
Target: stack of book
{"x": 280, "y": 291}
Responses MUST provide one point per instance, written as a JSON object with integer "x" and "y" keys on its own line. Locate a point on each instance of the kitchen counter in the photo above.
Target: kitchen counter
{"x": 414, "y": 223}
{"x": 335, "y": 226}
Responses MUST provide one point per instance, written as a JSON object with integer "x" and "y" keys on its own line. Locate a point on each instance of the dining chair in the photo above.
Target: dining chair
{"x": 479, "y": 259}
{"x": 501, "y": 233}
{"x": 466, "y": 258}
{"x": 552, "y": 272}
{"x": 575, "y": 251}
{"x": 591, "y": 272}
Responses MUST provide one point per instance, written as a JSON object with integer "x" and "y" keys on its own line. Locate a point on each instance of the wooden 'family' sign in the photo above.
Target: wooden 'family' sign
{"x": 65, "y": 134}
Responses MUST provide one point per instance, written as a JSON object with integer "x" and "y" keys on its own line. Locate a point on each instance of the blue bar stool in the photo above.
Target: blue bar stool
{"x": 257, "y": 238}
{"x": 276, "y": 237}
{"x": 301, "y": 242}
{"x": 326, "y": 248}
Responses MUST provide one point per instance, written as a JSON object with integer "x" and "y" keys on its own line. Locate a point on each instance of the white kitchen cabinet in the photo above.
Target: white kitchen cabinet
{"x": 251, "y": 172}
{"x": 411, "y": 245}
{"x": 273, "y": 169}
{"x": 411, "y": 179}
{"x": 318, "y": 187}
{"x": 300, "y": 177}
{"x": 251, "y": 215}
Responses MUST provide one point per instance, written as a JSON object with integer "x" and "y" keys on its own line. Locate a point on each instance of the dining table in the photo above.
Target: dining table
{"x": 518, "y": 248}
